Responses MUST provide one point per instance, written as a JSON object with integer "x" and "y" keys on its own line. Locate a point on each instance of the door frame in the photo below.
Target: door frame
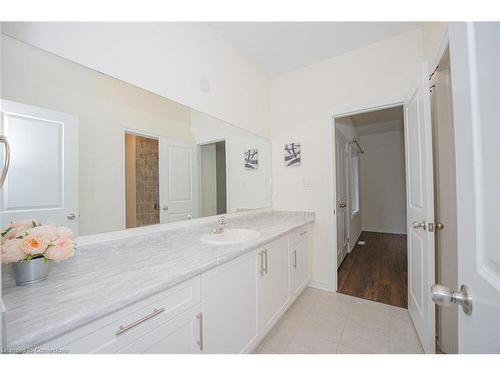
{"x": 444, "y": 46}
{"x": 141, "y": 133}
{"x": 343, "y": 112}
{"x": 348, "y": 182}
{"x": 226, "y": 147}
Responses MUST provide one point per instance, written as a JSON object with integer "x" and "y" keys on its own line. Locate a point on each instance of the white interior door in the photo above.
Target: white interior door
{"x": 42, "y": 182}
{"x": 475, "y": 61}
{"x": 342, "y": 165}
{"x": 178, "y": 180}
{"x": 420, "y": 210}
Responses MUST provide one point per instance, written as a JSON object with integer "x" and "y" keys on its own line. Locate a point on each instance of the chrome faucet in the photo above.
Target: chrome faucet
{"x": 220, "y": 226}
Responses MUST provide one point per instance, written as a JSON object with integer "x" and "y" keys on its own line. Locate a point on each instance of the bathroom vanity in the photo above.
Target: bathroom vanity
{"x": 142, "y": 180}
{"x": 166, "y": 291}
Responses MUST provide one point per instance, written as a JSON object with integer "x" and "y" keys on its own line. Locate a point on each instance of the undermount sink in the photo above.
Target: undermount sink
{"x": 230, "y": 236}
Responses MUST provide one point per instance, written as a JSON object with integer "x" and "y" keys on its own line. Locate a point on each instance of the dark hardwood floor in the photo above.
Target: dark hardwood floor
{"x": 376, "y": 270}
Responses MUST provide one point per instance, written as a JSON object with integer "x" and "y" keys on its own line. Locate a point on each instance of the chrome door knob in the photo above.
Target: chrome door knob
{"x": 71, "y": 216}
{"x": 417, "y": 225}
{"x": 439, "y": 226}
{"x": 444, "y": 296}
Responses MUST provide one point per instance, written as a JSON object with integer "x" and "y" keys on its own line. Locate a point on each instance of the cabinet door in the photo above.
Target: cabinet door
{"x": 274, "y": 282}
{"x": 300, "y": 265}
{"x": 181, "y": 335}
{"x": 229, "y": 295}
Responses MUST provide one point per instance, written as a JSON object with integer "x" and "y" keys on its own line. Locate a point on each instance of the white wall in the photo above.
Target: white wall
{"x": 302, "y": 105}
{"x": 434, "y": 36}
{"x": 246, "y": 189}
{"x": 349, "y": 131}
{"x": 383, "y": 190}
{"x": 104, "y": 106}
{"x": 166, "y": 58}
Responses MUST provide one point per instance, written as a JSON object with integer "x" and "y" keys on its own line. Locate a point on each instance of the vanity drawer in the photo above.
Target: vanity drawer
{"x": 300, "y": 234}
{"x": 115, "y": 331}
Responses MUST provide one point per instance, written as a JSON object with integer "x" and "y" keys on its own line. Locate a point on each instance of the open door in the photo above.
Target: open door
{"x": 475, "y": 75}
{"x": 178, "y": 180}
{"x": 420, "y": 210}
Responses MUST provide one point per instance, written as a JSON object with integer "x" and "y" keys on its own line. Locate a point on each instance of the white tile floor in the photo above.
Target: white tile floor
{"x": 321, "y": 322}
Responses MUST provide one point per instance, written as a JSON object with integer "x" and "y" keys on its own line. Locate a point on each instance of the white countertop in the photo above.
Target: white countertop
{"x": 103, "y": 278}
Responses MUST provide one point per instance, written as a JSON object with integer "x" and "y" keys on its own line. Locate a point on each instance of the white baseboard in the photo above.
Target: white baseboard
{"x": 383, "y": 230}
{"x": 353, "y": 243}
{"x": 321, "y": 285}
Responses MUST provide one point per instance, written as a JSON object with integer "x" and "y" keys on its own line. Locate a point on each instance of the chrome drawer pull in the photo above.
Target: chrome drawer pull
{"x": 295, "y": 259}
{"x": 200, "y": 320}
{"x": 261, "y": 272}
{"x": 266, "y": 269}
{"x": 304, "y": 232}
{"x": 123, "y": 329}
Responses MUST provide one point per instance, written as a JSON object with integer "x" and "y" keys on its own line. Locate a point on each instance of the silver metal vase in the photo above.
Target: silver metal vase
{"x": 31, "y": 271}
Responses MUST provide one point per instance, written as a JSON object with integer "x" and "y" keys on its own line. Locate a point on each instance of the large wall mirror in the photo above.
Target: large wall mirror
{"x": 99, "y": 154}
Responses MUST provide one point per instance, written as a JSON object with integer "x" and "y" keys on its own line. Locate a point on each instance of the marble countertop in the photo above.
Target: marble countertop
{"x": 103, "y": 278}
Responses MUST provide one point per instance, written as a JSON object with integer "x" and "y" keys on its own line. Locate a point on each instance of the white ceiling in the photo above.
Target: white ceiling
{"x": 280, "y": 47}
{"x": 381, "y": 121}
{"x": 377, "y": 117}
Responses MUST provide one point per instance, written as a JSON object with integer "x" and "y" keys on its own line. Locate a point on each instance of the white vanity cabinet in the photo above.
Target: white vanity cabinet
{"x": 243, "y": 299}
{"x": 181, "y": 335}
{"x": 135, "y": 328}
{"x": 300, "y": 260}
{"x": 228, "y": 309}
{"x": 274, "y": 282}
{"x": 229, "y": 294}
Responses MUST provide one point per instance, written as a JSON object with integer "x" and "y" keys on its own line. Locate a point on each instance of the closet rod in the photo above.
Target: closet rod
{"x": 360, "y": 149}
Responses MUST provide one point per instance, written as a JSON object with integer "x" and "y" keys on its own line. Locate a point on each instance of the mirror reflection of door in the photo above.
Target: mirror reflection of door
{"x": 213, "y": 178}
{"x": 141, "y": 181}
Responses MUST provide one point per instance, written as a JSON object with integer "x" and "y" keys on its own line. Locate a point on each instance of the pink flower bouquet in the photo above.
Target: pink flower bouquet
{"x": 29, "y": 239}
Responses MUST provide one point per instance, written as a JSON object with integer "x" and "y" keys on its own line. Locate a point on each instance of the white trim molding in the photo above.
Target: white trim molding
{"x": 321, "y": 285}
{"x": 353, "y": 243}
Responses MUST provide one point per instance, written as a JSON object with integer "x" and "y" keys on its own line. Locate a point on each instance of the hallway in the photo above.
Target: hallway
{"x": 377, "y": 270}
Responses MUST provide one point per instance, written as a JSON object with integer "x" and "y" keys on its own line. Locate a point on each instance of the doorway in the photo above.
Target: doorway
{"x": 141, "y": 181}
{"x": 371, "y": 206}
{"x": 213, "y": 178}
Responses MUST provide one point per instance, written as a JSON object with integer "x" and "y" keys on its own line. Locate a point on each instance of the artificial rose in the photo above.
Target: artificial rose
{"x": 46, "y": 231}
{"x": 34, "y": 244}
{"x": 9, "y": 233}
{"x": 60, "y": 250}
{"x": 64, "y": 232}
{"x": 12, "y": 251}
{"x": 23, "y": 225}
